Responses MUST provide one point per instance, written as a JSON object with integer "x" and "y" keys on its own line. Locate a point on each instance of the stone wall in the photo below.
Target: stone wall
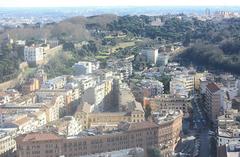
{"x": 12, "y": 83}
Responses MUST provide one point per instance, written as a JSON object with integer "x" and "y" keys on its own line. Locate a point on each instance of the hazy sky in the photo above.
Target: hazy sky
{"x": 75, "y": 3}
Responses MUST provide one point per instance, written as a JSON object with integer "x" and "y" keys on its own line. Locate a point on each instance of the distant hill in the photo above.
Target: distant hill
{"x": 75, "y": 28}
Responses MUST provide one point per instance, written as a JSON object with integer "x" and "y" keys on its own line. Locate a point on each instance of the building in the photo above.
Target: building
{"x": 229, "y": 150}
{"x": 99, "y": 95}
{"x": 169, "y": 102}
{"x": 162, "y": 59}
{"x": 151, "y": 54}
{"x": 69, "y": 97}
{"x": 95, "y": 96}
{"x": 163, "y": 135}
{"x": 23, "y": 124}
{"x": 170, "y": 127}
{"x": 4, "y": 98}
{"x": 85, "y": 67}
{"x": 41, "y": 76}
{"x": 54, "y": 108}
{"x": 152, "y": 88}
{"x": 213, "y": 101}
{"x": 85, "y": 81}
{"x": 55, "y": 83}
{"x": 25, "y": 100}
{"x": 236, "y": 103}
{"x": 182, "y": 83}
{"x": 7, "y": 141}
{"x": 31, "y": 86}
{"x": 228, "y": 81}
{"x": 40, "y": 117}
{"x": 121, "y": 66}
{"x": 228, "y": 128}
{"x": 126, "y": 109}
{"x": 132, "y": 152}
{"x": 34, "y": 55}
{"x": 66, "y": 126}
{"x": 39, "y": 144}
{"x": 198, "y": 77}
{"x": 107, "y": 120}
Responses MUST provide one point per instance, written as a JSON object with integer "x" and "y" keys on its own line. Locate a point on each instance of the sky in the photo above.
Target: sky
{"x": 76, "y": 3}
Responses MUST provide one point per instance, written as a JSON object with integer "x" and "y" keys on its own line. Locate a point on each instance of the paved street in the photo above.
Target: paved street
{"x": 199, "y": 129}
{"x": 202, "y": 127}
{"x": 204, "y": 144}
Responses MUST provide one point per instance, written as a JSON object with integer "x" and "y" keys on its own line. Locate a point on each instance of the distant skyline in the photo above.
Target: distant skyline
{"x": 79, "y": 3}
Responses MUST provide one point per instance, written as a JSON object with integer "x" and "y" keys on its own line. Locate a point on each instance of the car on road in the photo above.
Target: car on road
{"x": 211, "y": 133}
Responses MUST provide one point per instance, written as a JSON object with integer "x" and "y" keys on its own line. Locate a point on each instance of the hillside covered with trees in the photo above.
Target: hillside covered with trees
{"x": 9, "y": 62}
{"x": 214, "y": 43}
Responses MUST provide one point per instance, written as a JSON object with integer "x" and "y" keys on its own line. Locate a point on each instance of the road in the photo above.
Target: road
{"x": 200, "y": 123}
{"x": 204, "y": 144}
{"x": 200, "y": 145}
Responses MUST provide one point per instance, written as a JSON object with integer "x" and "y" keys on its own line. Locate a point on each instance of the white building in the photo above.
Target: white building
{"x": 162, "y": 59}
{"x": 55, "y": 83}
{"x": 95, "y": 96}
{"x": 4, "y": 98}
{"x": 152, "y": 88}
{"x": 228, "y": 128}
{"x": 34, "y": 55}
{"x": 85, "y": 82}
{"x": 151, "y": 54}
{"x": 84, "y": 67}
{"x": 182, "y": 84}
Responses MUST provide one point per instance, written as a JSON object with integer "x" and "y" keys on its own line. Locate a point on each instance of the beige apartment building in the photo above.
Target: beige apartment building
{"x": 169, "y": 102}
{"x": 162, "y": 134}
{"x": 7, "y": 142}
{"x": 213, "y": 101}
{"x": 127, "y": 109}
{"x": 107, "y": 120}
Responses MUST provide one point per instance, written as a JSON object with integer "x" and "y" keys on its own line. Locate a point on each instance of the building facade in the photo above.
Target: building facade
{"x": 161, "y": 135}
{"x": 213, "y": 101}
{"x": 34, "y": 55}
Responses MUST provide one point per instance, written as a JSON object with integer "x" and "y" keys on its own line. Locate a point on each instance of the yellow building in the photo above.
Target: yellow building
{"x": 107, "y": 120}
{"x": 31, "y": 86}
{"x": 197, "y": 79}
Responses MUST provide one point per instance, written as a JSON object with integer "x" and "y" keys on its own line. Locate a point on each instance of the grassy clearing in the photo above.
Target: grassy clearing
{"x": 122, "y": 45}
{"x": 116, "y": 37}
{"x": 103, "y": 53}
{"x": 102, "y": 57}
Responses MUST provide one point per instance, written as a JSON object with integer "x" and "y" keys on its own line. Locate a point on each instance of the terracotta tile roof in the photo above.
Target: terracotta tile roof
{"x": 2, "y": 94}
{"x": 84, "y": 108}
{"x": 141, "y": 125}
{"x": 38, "y": 137}
{"x": 38, "y": 113}
{"x": 2, "y": 111}
{"x": 21, "y": 121}
{"x": 213, "y": 87}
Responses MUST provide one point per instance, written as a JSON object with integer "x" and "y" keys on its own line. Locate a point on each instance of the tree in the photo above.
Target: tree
{"x": 148, "y": 111}
{"x": 187, "y": 40}
{"x": 153, "y": 152}
{"x": 68, "y": 46}
{"x": 166, "y": 83}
